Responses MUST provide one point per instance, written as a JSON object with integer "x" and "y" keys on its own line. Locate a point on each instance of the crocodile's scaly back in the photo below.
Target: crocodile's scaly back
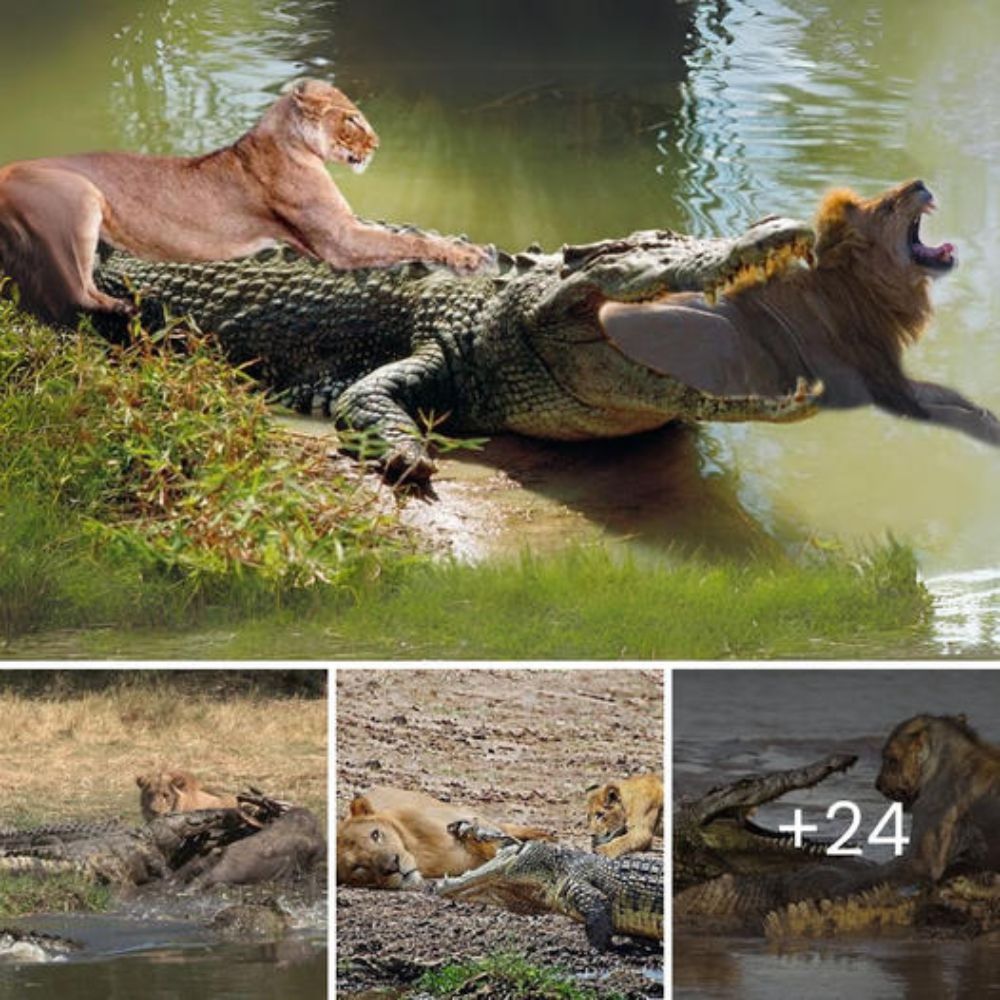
{"x": 518, "y": 350}
{"x": 609, "y": 896}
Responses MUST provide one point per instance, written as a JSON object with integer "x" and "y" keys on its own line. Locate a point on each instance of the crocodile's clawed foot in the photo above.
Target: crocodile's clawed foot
{"x": 408, "y": 466}
{"x": 472, "y": 831}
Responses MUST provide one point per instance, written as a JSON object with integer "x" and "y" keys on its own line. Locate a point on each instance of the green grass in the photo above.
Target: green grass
{"x": 590, "y": 604}
{"x": 61, "y": 893}
{"x": 587, "y": 604}
{"x": 146, "y": 483}
{"x": 508, "y": 976}
{"x": 146, "y": 488}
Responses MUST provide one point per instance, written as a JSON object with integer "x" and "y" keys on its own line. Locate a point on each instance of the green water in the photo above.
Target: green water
{"x": 526, "y": 121}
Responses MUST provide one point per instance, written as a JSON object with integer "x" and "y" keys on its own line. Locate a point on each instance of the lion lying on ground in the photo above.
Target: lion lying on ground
{"x": 394, "y": 839}
{"x": 624, "y": 816}
{"x": 270, "y": 186}
{"x": 164, "y": 792}
{"x": 949, "y": 779}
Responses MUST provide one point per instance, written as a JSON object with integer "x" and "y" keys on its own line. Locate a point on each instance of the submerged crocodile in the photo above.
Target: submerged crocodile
{"x": 261, "y": 841}
{"x": 609, "y": 896}
{"x": 520, "y": 350}
{"x": 596, "y": 341}
{"x": 18, "y": 946}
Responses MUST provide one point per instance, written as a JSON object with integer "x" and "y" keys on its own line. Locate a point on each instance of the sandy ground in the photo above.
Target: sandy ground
{"x": 518, "y": 745}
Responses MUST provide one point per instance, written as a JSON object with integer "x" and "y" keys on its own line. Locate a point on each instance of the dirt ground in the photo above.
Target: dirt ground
{"x": 518, "y": 745}
{"x": 519, "y": 493}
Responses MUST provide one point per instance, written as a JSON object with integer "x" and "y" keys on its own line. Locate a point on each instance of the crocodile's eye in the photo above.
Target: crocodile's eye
{"x": 377, "y": 836}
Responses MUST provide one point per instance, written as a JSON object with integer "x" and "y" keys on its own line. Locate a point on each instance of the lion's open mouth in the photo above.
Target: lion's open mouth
{"x": 939, "y": 258}
{"x": 359, "y": 164}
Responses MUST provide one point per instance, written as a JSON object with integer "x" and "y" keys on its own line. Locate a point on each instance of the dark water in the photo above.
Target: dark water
{"x": 163, "y": 959}
{"x": 730, "y": 723}
{"x": 522, "y": 121}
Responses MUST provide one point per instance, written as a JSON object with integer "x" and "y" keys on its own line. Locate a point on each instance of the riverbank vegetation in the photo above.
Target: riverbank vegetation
{"x": 61, "y": 892}
{"x": 144, "y": 484}
{"x": 146, "y": 496}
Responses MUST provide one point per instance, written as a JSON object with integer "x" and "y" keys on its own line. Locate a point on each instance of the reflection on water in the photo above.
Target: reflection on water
{"x": 735, "y": 722}
{"x": 161, "y": 948}
{"x": 724, "y": 969}
{"x": 697, "y": 115}
{"x": 967, "y": 611}
{"x": 232, "y": 972}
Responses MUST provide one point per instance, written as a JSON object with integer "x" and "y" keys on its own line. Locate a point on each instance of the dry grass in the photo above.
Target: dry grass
{"x": 78, "y": 757}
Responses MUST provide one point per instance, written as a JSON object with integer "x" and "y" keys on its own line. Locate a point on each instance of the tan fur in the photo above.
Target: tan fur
{"x": 271, "y": 186}
{"x": 861, "y": 243}
{"x": 624, "y": 816}
{"x": 163, "y": 792}
{"x": 941, "y": 771}
{"x": 394, "y": 839}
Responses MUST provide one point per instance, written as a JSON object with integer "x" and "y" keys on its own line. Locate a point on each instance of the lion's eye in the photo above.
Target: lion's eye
{"x": 376, "y": 835}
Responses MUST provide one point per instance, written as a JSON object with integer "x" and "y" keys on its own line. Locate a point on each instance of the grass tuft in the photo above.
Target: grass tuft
{"x": 147, "y": 479}
{"x": 64, "y": 892}
{"x": 506, "y": 975}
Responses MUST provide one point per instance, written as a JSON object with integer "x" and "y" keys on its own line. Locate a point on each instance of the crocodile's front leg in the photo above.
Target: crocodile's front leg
{"x": 387, "y": 402}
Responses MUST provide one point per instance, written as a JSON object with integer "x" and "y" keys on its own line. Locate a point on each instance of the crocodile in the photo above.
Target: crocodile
{"x": 521, "y": 349}
{"x": 608, "y": 895}
{"x": 599, "y": 340}
{"x": 189, "y": 846}
{"x": 18, "y": 947}
{"x": 122, "y": 855}
{"x": 732, "y": 874}
{"x": 714, "y": 835}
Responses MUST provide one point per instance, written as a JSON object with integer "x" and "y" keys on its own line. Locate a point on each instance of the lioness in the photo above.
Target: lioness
{"x": 164, "y": 792}
{"x": 394, "y": 839}
{"x": 949, "y": 778}
{"x": 270, "y": 186}
{"x": 624, "y": 816}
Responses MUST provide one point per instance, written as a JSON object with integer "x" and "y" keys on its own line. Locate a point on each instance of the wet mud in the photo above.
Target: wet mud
{"x": 660, "y": 492}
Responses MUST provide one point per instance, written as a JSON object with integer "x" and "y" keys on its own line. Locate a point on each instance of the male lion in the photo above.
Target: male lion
{"x": 164, "y": 792}
{"x": 270, "y": 186}
{"x": 394, "y": 839}
{"x": 843, "y": 322}
{"x": 949, "y": 778}
{"x": 624, "y": 816}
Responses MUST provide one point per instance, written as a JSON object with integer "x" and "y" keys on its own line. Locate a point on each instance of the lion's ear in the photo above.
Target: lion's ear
{"x": 179, "y": 780}
{"x": 312, "y": 98}
{"x": 142, "y": 780}
{"x": 360, "y": 806}
{"x": 837, "y": 211}
{"x": 591, "y": 788}
{"x": 612, "y": 795}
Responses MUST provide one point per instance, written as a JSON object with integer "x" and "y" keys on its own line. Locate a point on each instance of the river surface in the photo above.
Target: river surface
{"x": 521, "y": 121}
{"x": 163, "y": 958}
{"x": 729, "y": 723}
